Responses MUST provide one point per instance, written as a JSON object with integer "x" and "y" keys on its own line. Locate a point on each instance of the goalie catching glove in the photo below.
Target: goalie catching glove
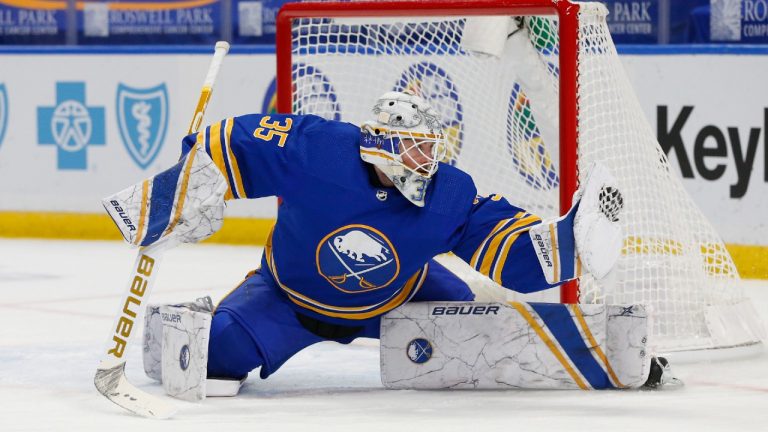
{"x": 596, "y": 228}
{"x": 184, "y": 203}
{"x": 591, "y": 228}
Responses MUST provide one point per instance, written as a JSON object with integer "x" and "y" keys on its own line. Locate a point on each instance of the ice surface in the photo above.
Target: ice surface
{"x": 58, "y": 300}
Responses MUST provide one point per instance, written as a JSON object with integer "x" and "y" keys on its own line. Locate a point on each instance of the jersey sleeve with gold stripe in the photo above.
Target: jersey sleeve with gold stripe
{"x": 496, "y": 243}
{"x": 264, "y": 155}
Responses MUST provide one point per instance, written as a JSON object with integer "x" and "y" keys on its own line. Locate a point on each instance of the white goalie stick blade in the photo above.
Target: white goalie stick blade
{"x": 111, "y": 382}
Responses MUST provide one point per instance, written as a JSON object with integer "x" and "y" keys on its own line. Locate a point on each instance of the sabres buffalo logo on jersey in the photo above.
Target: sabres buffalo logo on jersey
{"x": 357, "y": 258}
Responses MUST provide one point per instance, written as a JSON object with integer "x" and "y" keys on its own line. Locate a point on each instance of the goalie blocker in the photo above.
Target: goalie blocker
{"x": 438, "y": 345}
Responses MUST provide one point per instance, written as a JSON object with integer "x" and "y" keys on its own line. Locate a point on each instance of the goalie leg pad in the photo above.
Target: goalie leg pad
{"x": 153, "y": 334}
{"x": 436, "y": 345}
{"x": 185, "y": 351}
{"x": 153, "y": 343}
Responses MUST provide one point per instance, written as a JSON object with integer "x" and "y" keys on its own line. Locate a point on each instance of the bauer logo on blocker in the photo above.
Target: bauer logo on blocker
{"x": 71, "y": 125}
{"x": 142, "y": 115}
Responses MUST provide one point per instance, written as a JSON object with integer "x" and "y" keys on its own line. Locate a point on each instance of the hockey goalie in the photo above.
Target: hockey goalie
{"x": 364, "y": 211}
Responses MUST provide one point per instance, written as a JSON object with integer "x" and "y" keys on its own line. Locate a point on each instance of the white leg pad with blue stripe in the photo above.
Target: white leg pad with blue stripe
{"x": 465, "y": 345}
{"x": 185, "y": 351}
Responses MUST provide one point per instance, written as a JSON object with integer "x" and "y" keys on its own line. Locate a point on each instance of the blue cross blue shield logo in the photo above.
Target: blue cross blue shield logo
{"x": 3, "y": 111}
{"x": 142, "y": 115}
{"x": 71, "y": 125}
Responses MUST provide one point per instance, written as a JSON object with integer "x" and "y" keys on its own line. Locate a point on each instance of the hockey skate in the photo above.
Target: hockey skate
{"x": 661, "y": 376}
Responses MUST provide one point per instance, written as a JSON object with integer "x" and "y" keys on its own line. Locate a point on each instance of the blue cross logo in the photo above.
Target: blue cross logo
{"x": 70, "y": 125}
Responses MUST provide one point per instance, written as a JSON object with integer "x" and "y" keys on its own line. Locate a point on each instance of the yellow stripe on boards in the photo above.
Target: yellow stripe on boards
{"x": 750, "y": 260}
{"x": 96, "y": 226}
{"x": 593, "y": 343}
{"x": 58, "y": 225}
{"x": 550, "y": 344}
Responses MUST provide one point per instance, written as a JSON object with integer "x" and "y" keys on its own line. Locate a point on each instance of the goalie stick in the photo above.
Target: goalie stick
{"x": 110, "y": 377}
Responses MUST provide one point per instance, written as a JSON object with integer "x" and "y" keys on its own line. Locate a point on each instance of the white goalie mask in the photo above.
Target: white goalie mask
{"x": 405, "y": 142}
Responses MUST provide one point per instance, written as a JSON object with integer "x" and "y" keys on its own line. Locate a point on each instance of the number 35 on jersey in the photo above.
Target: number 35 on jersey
{"x": 271, "y": 129}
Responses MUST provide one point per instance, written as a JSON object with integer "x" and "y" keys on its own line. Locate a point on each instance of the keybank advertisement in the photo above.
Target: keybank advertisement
{"x": 76, "y": 128}
{"x": 710, "y": 114}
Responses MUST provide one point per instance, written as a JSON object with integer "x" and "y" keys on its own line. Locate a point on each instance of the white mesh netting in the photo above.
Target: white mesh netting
{"x": 498, "y": 97}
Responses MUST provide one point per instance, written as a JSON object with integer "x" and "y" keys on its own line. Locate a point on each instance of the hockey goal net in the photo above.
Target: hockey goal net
{"x": 529, "y": 91}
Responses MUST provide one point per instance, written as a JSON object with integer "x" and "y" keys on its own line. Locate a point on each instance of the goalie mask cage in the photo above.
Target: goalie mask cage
{"x": 529, "y": 91}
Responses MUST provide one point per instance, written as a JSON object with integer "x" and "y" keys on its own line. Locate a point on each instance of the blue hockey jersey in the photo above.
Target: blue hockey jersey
{"x": 343, "y": 246}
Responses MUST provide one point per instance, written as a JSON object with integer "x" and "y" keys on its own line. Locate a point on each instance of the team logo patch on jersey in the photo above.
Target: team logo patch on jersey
{"x": 419, "y": 350}
{"x": 3, "y": 111}
{"x": 435, "y": 85}
{"x": 142, "y": 115}
{"x": 357, "y": 258}
{"x": 530, "y": 156}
